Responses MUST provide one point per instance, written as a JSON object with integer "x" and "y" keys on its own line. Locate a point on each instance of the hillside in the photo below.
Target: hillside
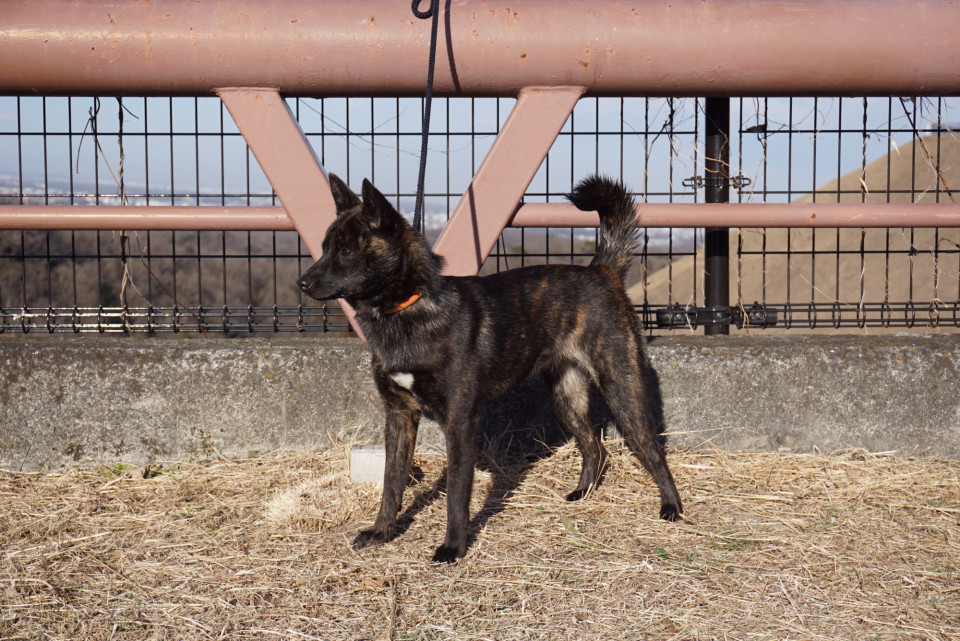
{"x": 765, "y": 271}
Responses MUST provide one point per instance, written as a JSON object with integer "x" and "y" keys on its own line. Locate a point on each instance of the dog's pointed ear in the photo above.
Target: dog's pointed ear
{"x": 378, "y": 209}
{"x": 342, "y": 196}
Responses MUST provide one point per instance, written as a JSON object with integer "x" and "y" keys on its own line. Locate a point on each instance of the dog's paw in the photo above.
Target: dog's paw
{"x": 446, "y": 554}
{"x": 577, "y": 494}
{"x": 669, "y": 512}
{"x": 369, "y": 537}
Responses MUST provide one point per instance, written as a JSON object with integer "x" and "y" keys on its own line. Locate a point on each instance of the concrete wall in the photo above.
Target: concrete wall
{"x": 75, "y": 400}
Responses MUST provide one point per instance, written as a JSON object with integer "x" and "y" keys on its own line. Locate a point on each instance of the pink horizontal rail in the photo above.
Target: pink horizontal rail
{"x": 752, "y": 215}
{"x": 527, "y": 215}
{"x": 152, "y": 217}
{"x": 614, "y": 47}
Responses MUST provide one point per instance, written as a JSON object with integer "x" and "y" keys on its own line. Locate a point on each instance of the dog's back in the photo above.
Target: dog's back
{"x": 526, "y": 320}
{"x": 534, "y": 318}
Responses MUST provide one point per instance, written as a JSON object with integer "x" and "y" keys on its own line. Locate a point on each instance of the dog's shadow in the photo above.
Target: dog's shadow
{"x": 514, "y": 434}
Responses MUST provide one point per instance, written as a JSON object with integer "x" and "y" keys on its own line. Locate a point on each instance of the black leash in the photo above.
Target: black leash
{"x": 434, "y": 13}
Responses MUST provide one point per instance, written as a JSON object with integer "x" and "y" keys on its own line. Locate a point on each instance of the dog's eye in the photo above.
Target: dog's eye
{"x": 345, "y": 251}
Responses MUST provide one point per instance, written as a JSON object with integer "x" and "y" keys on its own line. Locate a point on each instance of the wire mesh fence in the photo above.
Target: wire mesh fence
{"x": 176, "y": 151}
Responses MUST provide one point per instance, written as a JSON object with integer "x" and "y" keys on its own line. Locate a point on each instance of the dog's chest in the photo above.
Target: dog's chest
{"x": 403, "y": 357}
{"x": 403, "y": 379}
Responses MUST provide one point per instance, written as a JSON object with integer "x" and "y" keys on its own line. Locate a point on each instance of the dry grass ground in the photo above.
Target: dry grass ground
{"x": 779, "y": 546}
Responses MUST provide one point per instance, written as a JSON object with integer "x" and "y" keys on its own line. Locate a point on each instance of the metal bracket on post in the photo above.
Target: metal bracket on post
{"x": 677, "y": 316}
{"x": 738, "y": 182}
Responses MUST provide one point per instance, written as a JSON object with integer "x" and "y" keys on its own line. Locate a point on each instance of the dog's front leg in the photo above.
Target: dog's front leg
{"x": 400, "y": 436}
{"x": 461, "y": 437}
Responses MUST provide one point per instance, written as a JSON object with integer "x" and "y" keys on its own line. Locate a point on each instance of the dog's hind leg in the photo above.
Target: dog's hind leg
{"x": 632, "y": 414}
{"x": 400, "y": 436}
{"x": 651, "y": 396}
{"x": 570, "y": 388}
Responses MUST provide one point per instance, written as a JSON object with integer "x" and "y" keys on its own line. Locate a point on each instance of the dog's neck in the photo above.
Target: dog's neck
{"x": 403, "y": 305}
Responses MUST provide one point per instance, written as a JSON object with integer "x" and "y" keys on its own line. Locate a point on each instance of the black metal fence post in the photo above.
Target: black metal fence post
{"x": 716, "y": 281}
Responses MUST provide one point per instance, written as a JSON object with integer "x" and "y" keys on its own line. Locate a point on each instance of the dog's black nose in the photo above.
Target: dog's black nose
{"x": 303, "y": 283}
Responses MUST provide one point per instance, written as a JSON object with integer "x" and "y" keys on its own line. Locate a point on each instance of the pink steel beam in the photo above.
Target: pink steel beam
{"x": 503, "y": 177}
{"x": 288, "y": 160}
{"x": 528, "y": 215}
{"x": 615, "y": 47}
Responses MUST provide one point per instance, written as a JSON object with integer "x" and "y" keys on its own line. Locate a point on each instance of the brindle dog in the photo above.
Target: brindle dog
{"x": 448, "y": 344}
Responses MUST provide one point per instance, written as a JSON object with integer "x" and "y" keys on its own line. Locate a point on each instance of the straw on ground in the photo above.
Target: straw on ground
{"x": 779, "y": 546}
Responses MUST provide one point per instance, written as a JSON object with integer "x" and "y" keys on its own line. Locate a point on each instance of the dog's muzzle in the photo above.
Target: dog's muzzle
{"x": 304, "y": 283}
{"x": 318, "y": 289}
{"x": 309, "y": 287}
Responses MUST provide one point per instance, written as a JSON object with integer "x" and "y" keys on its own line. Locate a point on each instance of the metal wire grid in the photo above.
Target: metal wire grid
{"x": 188, "y": 151}
{"x": 174, "y": 151}
{"x": 851, "y": 150}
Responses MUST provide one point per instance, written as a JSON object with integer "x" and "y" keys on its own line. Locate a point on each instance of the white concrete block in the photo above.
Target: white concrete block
{"x": 367, "y": 463}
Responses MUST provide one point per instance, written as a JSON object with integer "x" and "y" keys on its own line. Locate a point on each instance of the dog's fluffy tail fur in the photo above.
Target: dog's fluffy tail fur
{"x": 612, "y": 201}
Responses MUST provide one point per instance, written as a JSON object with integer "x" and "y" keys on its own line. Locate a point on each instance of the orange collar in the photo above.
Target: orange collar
{"x": 402, "y": 306}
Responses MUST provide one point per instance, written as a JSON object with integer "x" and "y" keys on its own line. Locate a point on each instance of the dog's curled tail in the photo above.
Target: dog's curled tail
{"x": 612, "y": 201}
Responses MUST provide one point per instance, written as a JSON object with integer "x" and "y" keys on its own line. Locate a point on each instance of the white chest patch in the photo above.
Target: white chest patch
{"x": 403, "y": 379}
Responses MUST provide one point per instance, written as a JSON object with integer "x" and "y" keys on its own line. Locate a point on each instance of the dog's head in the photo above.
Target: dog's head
{"x": 362, "y": 249}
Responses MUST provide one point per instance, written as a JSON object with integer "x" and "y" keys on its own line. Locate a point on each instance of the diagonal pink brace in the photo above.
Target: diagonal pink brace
{"x": 503, "y": 177}
{"x": 290, "y": 164}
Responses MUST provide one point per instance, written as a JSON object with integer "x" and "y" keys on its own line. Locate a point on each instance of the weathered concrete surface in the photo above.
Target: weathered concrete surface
{"x": 75, "y": 400}
{"x": 881, "y": 394}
